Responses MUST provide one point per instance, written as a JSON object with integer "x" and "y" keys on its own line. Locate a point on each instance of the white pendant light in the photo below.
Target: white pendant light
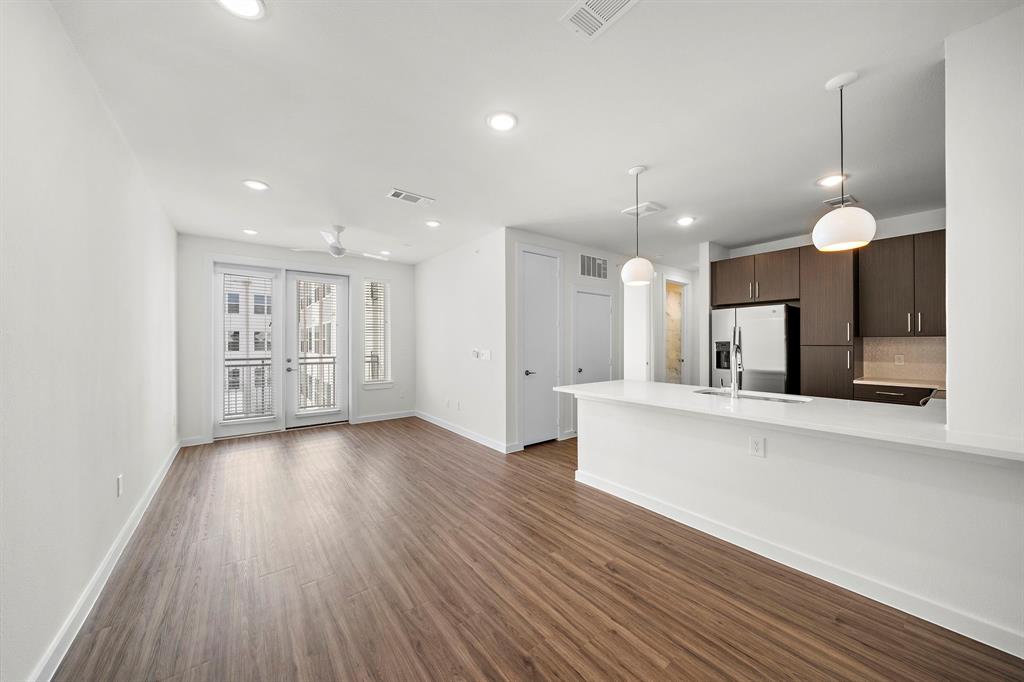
{"x": 637, "y": 271}
{"x": 846, "y": 227}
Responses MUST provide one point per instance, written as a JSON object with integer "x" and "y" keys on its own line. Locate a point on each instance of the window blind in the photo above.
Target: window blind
{"x": 376, "y": 332}
{"x": 248, "y": 392}
{"x": 317, "y": 348}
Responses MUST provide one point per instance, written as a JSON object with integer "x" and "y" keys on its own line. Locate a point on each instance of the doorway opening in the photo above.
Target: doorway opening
{"x": 675, "y": 350}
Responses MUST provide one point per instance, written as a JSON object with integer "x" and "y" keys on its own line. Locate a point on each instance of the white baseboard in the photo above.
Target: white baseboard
{"x": 195, "y": 440}
{"x": 566, "y": 435}
{"x": 493, "y": 444}
{"x": 55, "y": 653}
{"x": 916, "y": 605}
{"x": 381, "y": 417}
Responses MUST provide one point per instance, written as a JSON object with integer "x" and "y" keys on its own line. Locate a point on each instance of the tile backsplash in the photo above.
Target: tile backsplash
{"x": 924, "y": 357}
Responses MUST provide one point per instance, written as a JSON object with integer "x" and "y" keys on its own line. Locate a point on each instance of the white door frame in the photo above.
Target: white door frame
{"x": 221, "y": 428}
{"x": 342, "y": 361}
{"x": 520, "y": 337}
{"x": 579, "y": 289}
{"x": 263, "y": 265}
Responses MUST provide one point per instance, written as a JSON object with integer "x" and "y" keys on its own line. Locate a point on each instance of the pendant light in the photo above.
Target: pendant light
{"x": 846, "y": 227}
{"x": 637, "y": 271}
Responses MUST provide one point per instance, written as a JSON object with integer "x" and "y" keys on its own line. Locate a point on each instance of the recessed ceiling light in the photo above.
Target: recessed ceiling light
{"x": 502, "y": 121}
{"x": 433, "y": 224}
{"x": 830, "y": 180}
{"x": 685, "y": 221}
{"x": 256, "y": 185}
{"x": 385, "y": 253}
{"x": 250, "y": 232}
{"x": 246, "y": 9}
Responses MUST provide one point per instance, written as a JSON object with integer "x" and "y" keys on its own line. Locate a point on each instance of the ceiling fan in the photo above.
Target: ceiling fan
{"x": 335, "y": 248}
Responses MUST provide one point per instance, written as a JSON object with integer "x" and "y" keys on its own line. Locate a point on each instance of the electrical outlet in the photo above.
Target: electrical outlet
{"x": 120, "y": 485}
{"x": 757, "y": 446}
{"x": 899, "y": 359}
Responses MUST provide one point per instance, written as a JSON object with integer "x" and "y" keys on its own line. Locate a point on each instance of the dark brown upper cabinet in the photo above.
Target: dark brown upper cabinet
{"x": 777, "y": 276}
{"x": 827, "y": 291}
{"x": 766, "y": 277}
{"x": 732, "y": 281}
{"x": 930, "y": 283}
{"x": 886, "y": 277}
{"x": 903, "y": 286}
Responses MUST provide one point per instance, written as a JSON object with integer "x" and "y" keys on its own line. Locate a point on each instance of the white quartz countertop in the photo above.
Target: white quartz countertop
{"x": 900, "y": 424}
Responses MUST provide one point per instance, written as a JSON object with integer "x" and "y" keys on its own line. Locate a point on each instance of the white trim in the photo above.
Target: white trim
{"x": 504, "y": 448}
{"x": 381, "y": 417}
{"x": 940, "y": 614}
{"x": 194, "y": 440}
{"x": 58, "y": 648}
{"x": 566, "y": 435}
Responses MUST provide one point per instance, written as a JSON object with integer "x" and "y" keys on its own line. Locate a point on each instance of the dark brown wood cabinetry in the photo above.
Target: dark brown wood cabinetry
{"x": 764, "y": 278}
{"x": 886, "y": 278}
{"x": 930, "y": 283}
{"x": 883, "y": 393}
{"x": 732, "y": 281}
{"x": 826, "y": 371}
{"x": 826, "y": 297}
{"x": 903, "y": 286}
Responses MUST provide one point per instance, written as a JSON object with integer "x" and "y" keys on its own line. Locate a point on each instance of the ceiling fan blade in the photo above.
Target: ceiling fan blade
{"x": 329, "y": 237}
{"x": 363, "y": 254}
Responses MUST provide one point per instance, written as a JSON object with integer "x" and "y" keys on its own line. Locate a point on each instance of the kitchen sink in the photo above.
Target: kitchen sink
{"x": 751, "y": 395}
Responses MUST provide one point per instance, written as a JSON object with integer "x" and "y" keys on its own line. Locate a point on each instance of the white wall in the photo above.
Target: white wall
{"x": 195, "y": 332}
{"x": 896, "y": 226}
{"x": 460, "y": 306}
{"x": 569, "y": 253}
{"x": 87, "y": 356}
{"x": 985, "y": 230}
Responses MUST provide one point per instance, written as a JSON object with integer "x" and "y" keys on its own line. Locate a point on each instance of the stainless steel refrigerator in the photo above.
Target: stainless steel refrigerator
{"x": 769, "y": 345}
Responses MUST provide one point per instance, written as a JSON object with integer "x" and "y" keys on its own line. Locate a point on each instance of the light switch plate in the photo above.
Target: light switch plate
{"x": 757, "y": 446}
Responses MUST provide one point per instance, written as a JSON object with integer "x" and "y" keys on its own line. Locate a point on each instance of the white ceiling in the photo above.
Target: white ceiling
{"x": 334, "y": 103}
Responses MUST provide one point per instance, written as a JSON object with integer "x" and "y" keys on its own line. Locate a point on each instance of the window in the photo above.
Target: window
{"x": 376, "y": 333}
{"x": 259, "y": 377}
{"x": 261, "y": 304}
{"x": 232, "y": 303}
{"x": 234, "y": 379}
{"x": 233, "y": 341}
{"x": 260, "y": 341}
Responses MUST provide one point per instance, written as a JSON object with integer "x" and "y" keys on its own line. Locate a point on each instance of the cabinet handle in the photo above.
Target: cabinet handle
{"x": 847, "y": 359}
{"x": 919, "y": 322}
{"x": 750, "y": 290}
{"x": 757, "y": 290}
{"x": 897, "y": 395}
{"x": 847, "y": 331}
{"x": 909, "y": 329}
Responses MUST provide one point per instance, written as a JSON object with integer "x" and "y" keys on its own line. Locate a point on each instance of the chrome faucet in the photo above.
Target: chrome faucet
{"x": 736, "y": 361}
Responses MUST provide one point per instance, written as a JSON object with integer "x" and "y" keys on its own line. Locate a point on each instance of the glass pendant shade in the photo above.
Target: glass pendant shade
{"x": 842, "y": 229}
{"x": 637, "y": 272}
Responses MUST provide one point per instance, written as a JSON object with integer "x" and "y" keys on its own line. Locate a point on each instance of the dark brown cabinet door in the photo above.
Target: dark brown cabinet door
{"x": 826, "y": 298}
{"x": 930, "y": 283}
{"x": 732, "y": 281}
{"x": 777, "y": 276}
{"x": 826, "y": 371}
{"x": 886, "y": 278}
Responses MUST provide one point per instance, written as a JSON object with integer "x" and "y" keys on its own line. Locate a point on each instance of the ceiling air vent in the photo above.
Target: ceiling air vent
{"x": 836, "y": 202}
{"x": 410, "y": 197}
{"x": 646, "y": 208}
{"x": 592, "y": 266}
{"x": 590, "y": 18}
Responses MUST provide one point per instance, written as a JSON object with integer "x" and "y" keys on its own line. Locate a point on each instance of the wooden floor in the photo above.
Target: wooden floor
{"x": 398, "y": 551}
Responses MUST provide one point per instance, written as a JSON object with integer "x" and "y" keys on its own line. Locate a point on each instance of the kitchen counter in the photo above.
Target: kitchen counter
{"x": 938, "y": 384}
{"x": 893, "y": 424}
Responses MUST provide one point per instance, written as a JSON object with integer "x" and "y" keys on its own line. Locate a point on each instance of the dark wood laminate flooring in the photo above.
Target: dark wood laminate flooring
{"x": 399, "y": 551}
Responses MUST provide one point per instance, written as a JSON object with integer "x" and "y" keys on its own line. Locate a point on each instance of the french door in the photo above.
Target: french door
{"x": 316, "y": 349}
{"x": 280, "y": 349}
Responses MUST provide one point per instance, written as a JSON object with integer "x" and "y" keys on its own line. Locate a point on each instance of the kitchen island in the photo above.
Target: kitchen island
{"x": 880, "y": 499}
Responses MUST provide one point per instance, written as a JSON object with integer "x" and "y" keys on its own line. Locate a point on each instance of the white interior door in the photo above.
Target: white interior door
{"x": 316, "y": 361}
{"x": 592, "y": 339}
{"x": 538, "y": 287}
{"x": 247, "y": 372}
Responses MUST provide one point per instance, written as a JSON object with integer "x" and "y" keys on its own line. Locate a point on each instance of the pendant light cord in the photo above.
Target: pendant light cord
{"x": 636, "y": 208}
{"x": 842, "y": 164}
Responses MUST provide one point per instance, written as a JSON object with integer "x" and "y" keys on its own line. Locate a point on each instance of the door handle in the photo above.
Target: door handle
{"x": 897, "y": 395}
{"x": 909, "y": 329}
{"x": 579, "y": 370}
{"x": 757, "y": 290}
{"x": 847, "y": 331}
{"x": 750, "y": 290}
{"x": 289, "y": 369}
{"x": 919, "y": 322}
{"x": 529, "y": 372}
{"x": 847, "y": 359}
